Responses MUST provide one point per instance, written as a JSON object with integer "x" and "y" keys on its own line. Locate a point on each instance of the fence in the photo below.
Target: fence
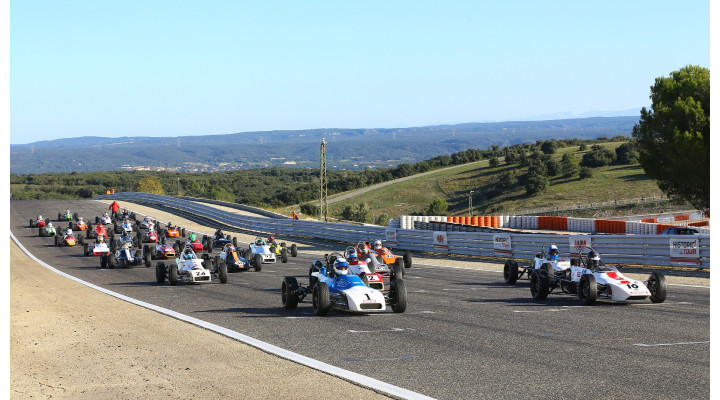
{"x": 658, "y": 250}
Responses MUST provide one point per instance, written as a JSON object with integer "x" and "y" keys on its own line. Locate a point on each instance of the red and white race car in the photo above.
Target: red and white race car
{"x": 97, "y": 231}
{"x": 161, "y": 251}
{"x": 148, "y": 237}
{"x": 38, "y": 223}
{"x": 80, "y": 225}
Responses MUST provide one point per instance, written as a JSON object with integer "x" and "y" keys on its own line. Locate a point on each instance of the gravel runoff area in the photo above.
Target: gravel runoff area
{"x": 70, "y": 341}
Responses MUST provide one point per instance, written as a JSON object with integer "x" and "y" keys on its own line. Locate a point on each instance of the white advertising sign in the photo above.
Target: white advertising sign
{"x": 502, "y": 243}
{"x": 684, "y": 248}
{"x": 390, "y": 237}
{"x": 577, "y": 242}
{"x": 440, "y": 239}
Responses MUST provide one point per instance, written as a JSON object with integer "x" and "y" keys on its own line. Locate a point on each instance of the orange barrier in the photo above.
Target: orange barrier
{"x": 494, "y": 222}
{"x": 700, "y": 223}
{"x": 662, "y": 227}
{"x": 650, "y": 220}
{"x": 474, "y": 221}
{"x": 487, "y": 221}
{"x": 683, "y": 217}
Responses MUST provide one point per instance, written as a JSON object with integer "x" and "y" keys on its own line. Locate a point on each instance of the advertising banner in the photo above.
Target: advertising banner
{"x": 390, "y": 237}
{"x": 577, "y": 242}
{"x": 440, "y": 240}
{"x": 502, "y": 244}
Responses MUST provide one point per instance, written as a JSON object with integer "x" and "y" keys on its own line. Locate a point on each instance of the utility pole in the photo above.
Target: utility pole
{"x": 323, "y": 183}
{"x": 470, "y": 201}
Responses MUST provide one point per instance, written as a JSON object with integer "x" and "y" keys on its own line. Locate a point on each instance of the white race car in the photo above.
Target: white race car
{"x": 592, "y": 279}
{"x": 100, "y": 248}
{"x": 259, "y": 252}
{"x": 333, "y": 290}
{"x": 191, "y": 269}
{"x": 105, "y": 219}
{"x": 146, "y": 223}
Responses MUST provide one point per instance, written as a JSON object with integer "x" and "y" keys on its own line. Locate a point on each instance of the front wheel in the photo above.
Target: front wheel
{"x": 283, "y": 256}
{"x": 587, "y": 290}
{"x": 289, "y": 293}
{"x": 407, "y": 257}
{"x": 160, "y": 272}
{"x": 657, "y": 287}
{"x": 398, "y": 296}
{"x": 293, "y": 250}
{"x": 539, "y": 284}
{"x": 321, "y": 299}
{"x": 510, "y": 272}
{"x": 173, "y": 278}
{"x": 399, "y": 268}
{"x": 222, "y": 271}
{"x": 258, "y": 262}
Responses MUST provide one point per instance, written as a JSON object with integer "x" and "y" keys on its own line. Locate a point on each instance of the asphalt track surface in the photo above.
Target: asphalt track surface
{"x": 465, "y": 334}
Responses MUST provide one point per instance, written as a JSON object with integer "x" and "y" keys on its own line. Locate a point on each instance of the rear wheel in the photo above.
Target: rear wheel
{"x": 160, "y": 272}
{"x": 657, "y": 287}
{"x": 234, "y": 242}
{"x": 258, "y": 262}
{"x": 321, "y": 299}
{"x": 284, "y": 256}
{"x": 510, "y": 272}
{"x": 293, "y": 250}
{"x": 398, "y": 296}
{"x": 407, "y": 257}
{"x": 539, "y": 284}
{"x": 289, "y": 293}
{"x": 112, "y": 261}
{"x": 86, "y": 249}
{"x": 147, "y": 257}
{"x": 587, "y": 290}
{"x": 222, "y": 271}
{"x": 104, "y": 261}
{"x": 399, "y": 268}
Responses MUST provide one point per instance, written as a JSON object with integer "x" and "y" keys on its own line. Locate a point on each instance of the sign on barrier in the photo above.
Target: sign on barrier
{"x": 577, "y": 242}
{"x": 502, "y": 244}
{"x": 390, "y": 237}
{"x": 684, "y": 250}
{"x": 440, "y": 240}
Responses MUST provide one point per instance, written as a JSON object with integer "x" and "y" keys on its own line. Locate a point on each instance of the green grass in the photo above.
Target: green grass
{"x": 415, "y": 195}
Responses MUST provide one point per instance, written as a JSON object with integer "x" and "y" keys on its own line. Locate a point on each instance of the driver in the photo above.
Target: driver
{"x": 229, "y": 248}
{"x": 352, "y": 257}
{"x": 188, "y": 254}
{"x": 68, "y": 232}
{"x": 271, "y": 239}
{"x": 219, "y": 234}
{"x": 192, "y": 237}
{"x": 593, "y": 259}
{"x": 363, "y": 250}
{"x": 378, "y": 245}
{"x": 260, "y": 242}
{"x": 552, "y": 253}
{"x": 39, "y": 218}
{"x": 126, "y": 224}
{"x": 340, "y": 266}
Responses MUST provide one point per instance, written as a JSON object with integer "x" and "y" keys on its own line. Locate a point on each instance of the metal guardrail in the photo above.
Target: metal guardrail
{"x": 615, "y": 249}
{"x": 236, "y": 206}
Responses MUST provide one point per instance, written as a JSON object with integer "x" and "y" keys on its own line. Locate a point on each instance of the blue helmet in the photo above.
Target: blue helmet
{"x": 552, "y": 252}
{"x": 340, "y": 266}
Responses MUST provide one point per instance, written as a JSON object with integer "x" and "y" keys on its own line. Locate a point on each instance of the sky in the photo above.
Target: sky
{"x": 175, "y": 68}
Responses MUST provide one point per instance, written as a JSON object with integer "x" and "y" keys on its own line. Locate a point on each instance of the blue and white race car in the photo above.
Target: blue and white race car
{"x": 335, "y": 288}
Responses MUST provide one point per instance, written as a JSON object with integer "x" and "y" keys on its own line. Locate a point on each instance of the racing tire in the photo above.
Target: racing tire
{"x": 31, "y": 223}
{"x": 147, "y": 258}
{"x": 398, "y": 296}
{"x": 182, "y": 232}
{"x": 657, "y": 285}
{"x": 59, "y": 219}
{"x": 138, "y": 257}
{"x": 289, "y": 293}
{"x": 160, "y": 272}
{"x": 258, "y": 262}
{"x": 407, "y": 257}
{"x": 158, "y": 227}
{"x": 173, "y": 275}
{"x": 209, "y": 245}
{"x": 399, "y": 268}
{"x": 86, "y": 249}
{"x": 180, "y": 246}
{"x": 40, "y": 232}
{"x": 234, "y": 241}
{"x": 293, "y": 250}
{"x": 510, "y": 272}
{"x": 70, "y": 225}
{"x": 216, "y": 262}
{"x": 321, "y": 299}
{"x": 222, "y": 272}
{"x": 539, "y": 284}
{"x": 283, "y": 256}
{"x": 176, "y": 247}
{"x": 587, "y": 290}
{"x": 57, "y": 240}
{"x": 81, "y": 240}
{"x": 313, "y": 279}
{"x": 75, "y": 216}
{"x": 112, "y": 261}
{"x": 113, "y": 244}
{"x": 97, "y": 220}
{"x": 104, "y": 261}
{"x": 116, "y": 228}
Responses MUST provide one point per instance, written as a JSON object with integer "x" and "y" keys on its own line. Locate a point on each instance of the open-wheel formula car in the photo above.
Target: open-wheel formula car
{"x": 161, "y": 251}
{"x": 280, "y": 248}
{"x": 124, "y": 227}
{"x": 170, "y": 230}
{"x": 146, "y": 223}
{"x": 591, "y": 279}
{"x": 378, "y": 264}
{"x": 37, "y": 223}
{"x": 48, "y": 230}
{"x": 65, "y": 216}
{"x": 105, "y": 219}
{"x": 358, "y": 267}
{"x": 547, "y": 258}
{"x": 337, "y": 289}
{"x": 219, "y": 239}
{"x": 79, "y": 225}
{"x": 68, "y": 239}
{"x": 125, "y": 214}
{"x": 386, "y": 256}
{"x": 99, "y": 248}
{"x": 259, "y": 253}
{"x": 98, "y": 230}
{"x": 233, "y": 261}
{"x": 124, "y": 256}
{"x": 191, "y": 269}
{"x": 149, "y": 236}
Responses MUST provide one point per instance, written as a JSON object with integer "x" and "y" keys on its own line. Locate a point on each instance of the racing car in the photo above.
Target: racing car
{"x": 233, "y": 261}
{"x": 105, "y": 219}
{"x": 124, "y": 238}
{"x": 259, "y": 253}
{"x": 590, "y": 278}
{"x": 171, "y": 230}
{"x": 146, "y": 223}
{"x": 123, "y": 257}
{"x": 39, "y": 222}
{"x": 161, "y": 251}
{"x": 68, "y": 239}
{"x": 47, "y": 230}
{"x": 98, "y": 230}
{"x": 547, "y": 258}
{"x": 100, "y": 248}
{"x": 65, "y": 216}
{"x": 279, "y": 248}
{"x": 191, "y": 269}
{"x": 150, "y": 236}
{"x": 357, "y": 267}
{"x": 376, "y": 264}
{"x": 219, "y": 239}
{"x": 337, "y": 289}
{"x": 125, "y": 227}
{"x": 197, "y": 245}
{"x": 125, "y": 214}
{"x": 80, "y": 225}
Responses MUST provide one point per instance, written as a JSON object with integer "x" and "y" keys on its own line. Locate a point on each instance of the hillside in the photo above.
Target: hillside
{"x": 352, "y": 149}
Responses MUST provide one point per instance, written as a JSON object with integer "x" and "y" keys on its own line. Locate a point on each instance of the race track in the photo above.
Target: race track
{"x": 465, "y": 334}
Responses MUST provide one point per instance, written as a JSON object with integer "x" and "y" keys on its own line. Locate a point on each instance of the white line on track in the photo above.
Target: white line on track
{"x": 668, "y": 344}
{"x": 358, "y": 379}
{"x": 382, "y": 330}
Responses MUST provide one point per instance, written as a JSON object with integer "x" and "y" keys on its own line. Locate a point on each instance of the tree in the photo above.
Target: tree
{"x": 382, "y": 220}
{"x": 438, "y": 207}
{"x": 586, "y": 173}
{"x": 150, "y": 184}
{"x": 569, "y": 165}
{"x": 549, "y": 147}
{"x": 598, "y": 157}
{"x": 537, "y": 184}
{"x": 626, "y": 154}
{"x": 552, "y": 167}
{"x": 674, "y": 135}
{"x": 494, "y": 162}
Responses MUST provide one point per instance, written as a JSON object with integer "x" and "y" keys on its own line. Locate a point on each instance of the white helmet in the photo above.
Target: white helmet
{"x": 49, "y": 225}
{"x": 378, "y": 244}
{"x": 340, "y": 266}
{"x": 39, "y": 216}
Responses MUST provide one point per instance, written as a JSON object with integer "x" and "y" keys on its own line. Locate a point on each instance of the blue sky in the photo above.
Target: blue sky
{"x": 173, "y": 68}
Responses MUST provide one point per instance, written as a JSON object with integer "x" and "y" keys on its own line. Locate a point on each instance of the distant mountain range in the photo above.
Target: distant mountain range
{"x": 345, "y": 149}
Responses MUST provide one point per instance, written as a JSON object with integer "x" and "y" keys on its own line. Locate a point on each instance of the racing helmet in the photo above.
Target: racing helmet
{"x": 378, "y": 244}
{"x": 271, "y": 239}
{"x": 39, "y": 217}
{"x": 552, "y": 252}
{"x": 50, "y": 225}
{"x": 363, "y": 249}
{"x": 593, "y": 259}
{"x": 340, "y": 266}
{"x": 80, "y": 220}
{"x": 68, "y": 232}
{"x": 352, "y": 256}
{"x": 192, "y": 237}
{"x": 229, "y": 247}
{"x": 260, "y": 242}
{"x": 188, "y": 253}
